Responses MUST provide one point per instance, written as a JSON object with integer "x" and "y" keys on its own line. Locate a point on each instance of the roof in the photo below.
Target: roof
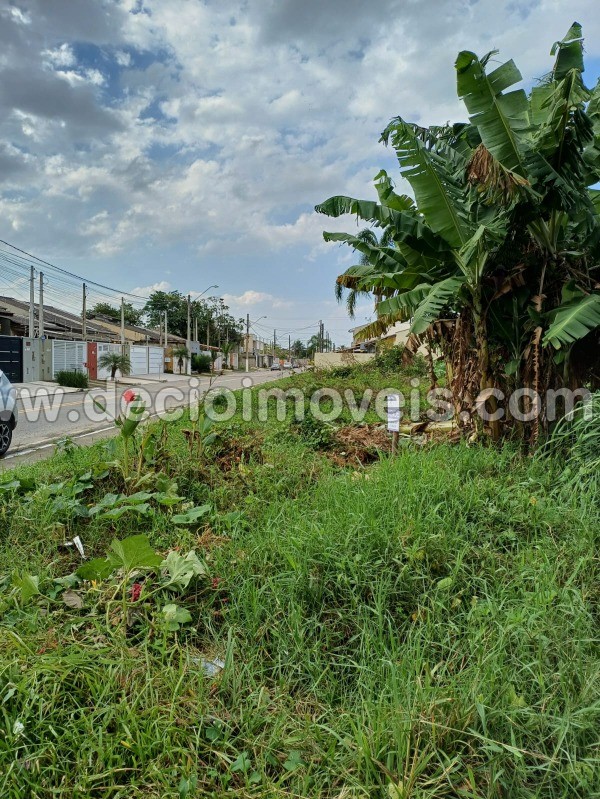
{"x": 55, "y": 320}
{"x": 149, "y": 332}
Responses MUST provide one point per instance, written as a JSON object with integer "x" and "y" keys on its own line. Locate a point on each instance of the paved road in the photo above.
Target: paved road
{"x": 43, "y": 420}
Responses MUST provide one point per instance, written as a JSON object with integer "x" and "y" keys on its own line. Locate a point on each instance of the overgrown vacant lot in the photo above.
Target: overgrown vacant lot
{"x": 423, "y": 626}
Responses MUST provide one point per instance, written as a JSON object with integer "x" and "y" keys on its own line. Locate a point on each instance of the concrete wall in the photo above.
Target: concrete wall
{"x": 327, "y": 360}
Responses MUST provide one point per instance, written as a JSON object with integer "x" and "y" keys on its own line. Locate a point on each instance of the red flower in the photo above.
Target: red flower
{"x": 136, "y": 591}
{"x": 215, "y": 582}
{"x": 129, "y": 395}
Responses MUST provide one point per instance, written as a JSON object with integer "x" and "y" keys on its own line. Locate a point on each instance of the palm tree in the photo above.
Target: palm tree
{"x": 181, "y": 353}
{"x": 227, "y": 349}
{"x": 116, "y": 362}
{"x": 497, "y": 255}
{"x": 351, "y": 279}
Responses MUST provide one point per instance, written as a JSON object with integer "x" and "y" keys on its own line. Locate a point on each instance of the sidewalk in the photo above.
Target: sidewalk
{"x": 39, "y": 386}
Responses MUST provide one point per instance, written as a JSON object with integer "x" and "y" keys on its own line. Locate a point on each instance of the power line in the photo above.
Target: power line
{"x": 72, "y": 274}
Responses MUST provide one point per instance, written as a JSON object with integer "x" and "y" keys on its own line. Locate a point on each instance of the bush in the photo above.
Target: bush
{"x": 201, "y": 363}
{"x": 72, "y": 379}
{"x": 392, "y": 359}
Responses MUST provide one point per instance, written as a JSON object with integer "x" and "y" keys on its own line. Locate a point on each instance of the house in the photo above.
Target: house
{"x": 257, "y": 352}
{"x": 396, "y": 335}
{"x": 58, "y": 324}
{"x": 134, "y": 334}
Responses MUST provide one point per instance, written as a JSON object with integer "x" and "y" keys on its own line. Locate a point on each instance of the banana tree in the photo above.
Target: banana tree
{"x": 497, "y": 258}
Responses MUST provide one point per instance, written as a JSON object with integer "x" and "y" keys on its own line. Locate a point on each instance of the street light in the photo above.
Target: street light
{"x": 208, "y": 289}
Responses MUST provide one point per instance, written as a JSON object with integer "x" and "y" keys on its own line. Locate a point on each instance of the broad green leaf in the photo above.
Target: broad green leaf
{"x": 192, "y": 516}
{"x": 433, "y": 304}
{"x": 179, "y": 571}
{"x": 96, "y": 569}
{"x": 408, "y": 227}
{"x": 569, "y": 53}
{"x": 440, "y": 195}
{"x": 241, "y": 763}
{"x": 573, "y": 320}
{"x": 379, "y": 257}
{"x": 134, "y": 553}
{"x": 387, "y": 195}
{"x": 501, "y": 119}
{"x": 174, "y": 616}
{"x": 133, "y": 416}
{"x": 142, "y": 509}
{"x": 28, "y": 584}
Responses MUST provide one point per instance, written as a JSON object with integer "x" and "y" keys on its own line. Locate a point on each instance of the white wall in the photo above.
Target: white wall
{"x": 327, "y": 360}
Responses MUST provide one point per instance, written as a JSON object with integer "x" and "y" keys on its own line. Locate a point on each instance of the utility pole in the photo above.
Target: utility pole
{"x": 84, "y": 314}
{"x": 41, "y": 307}
{"x": 196, "y": 328}
{"x": 166, "y": 331}
{"x": 122, "y": 321}
{"x": 274, "y": 343}
{"x": 289, "y": 348}
{"x": 189, "y": 318}
{"x": 188, "y": 369}
{"x": 247, "y": 340}
{"x": 31, "y": 302}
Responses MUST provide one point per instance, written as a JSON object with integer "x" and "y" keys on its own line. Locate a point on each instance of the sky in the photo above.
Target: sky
{"x": 175, "y": 144}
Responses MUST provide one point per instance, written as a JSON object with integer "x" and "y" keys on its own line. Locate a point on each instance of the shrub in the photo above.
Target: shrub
{"x": 201, "y": 363}
{"x": 392, "y": 359}
{"x": 72, "y": 379}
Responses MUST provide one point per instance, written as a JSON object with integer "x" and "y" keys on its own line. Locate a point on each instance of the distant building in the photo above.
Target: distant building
{"x": 396, "y": 335}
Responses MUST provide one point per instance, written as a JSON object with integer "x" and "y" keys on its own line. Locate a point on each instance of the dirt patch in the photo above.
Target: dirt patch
{"x": 360, "y": 445}
{"x": 234, "y": 451}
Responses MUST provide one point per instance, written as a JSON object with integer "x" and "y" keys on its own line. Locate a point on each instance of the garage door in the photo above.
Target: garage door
{"x": 68, "y": 356}
{"x": 156, "y": 360}
{"x": 139, "y": 360}
{"x": 11, "y": 357}
{"x": 103, "y": 349}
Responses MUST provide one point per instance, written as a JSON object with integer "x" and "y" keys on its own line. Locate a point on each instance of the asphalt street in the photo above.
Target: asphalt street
{"x": 45, "y": 420}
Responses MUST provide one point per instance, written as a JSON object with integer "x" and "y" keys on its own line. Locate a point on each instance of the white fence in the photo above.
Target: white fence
{"x": 68, "y": 356}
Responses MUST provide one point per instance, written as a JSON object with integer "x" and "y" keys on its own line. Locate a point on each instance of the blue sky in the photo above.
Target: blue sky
{"x": 180, "y": 143}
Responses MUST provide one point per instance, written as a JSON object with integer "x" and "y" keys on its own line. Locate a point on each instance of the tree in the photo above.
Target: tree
{"x": 211, "y": 315}
{"x": 349, "y": 281}
{"x": 133, "y": 316}
{"x": 496, "y": 259}
{"x": 299, "y": 350}
{"x": 227, "y": 349}
{"x": 175, "y": 305}
{"x": 181, "y": 353}
{"x": 313, "y": 345}
{"x": 116, "y": 362}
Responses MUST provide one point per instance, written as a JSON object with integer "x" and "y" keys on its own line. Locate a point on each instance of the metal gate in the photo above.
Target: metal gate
{"x": 11, "y": 357}
{"x": 139, "y": 360}
{"x": 146, "y": 360}
{"x": 68, "y": 356}
{"x": 156, "y": 360}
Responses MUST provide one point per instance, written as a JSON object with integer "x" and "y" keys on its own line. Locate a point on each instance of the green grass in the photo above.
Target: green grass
{"x": 425, "y": 627}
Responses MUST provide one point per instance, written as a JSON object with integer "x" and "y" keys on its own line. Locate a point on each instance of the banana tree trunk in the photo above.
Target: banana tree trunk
{"x": 485, "y": 380}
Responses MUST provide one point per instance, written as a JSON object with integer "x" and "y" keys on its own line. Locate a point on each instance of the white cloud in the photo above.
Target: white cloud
{"x": 146, "y": 291}
{"x": 236, "y": 121}
{"x": 251, "y": 297}
{"x": 123, "y": 58}
{"x": 62, "y": 56}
